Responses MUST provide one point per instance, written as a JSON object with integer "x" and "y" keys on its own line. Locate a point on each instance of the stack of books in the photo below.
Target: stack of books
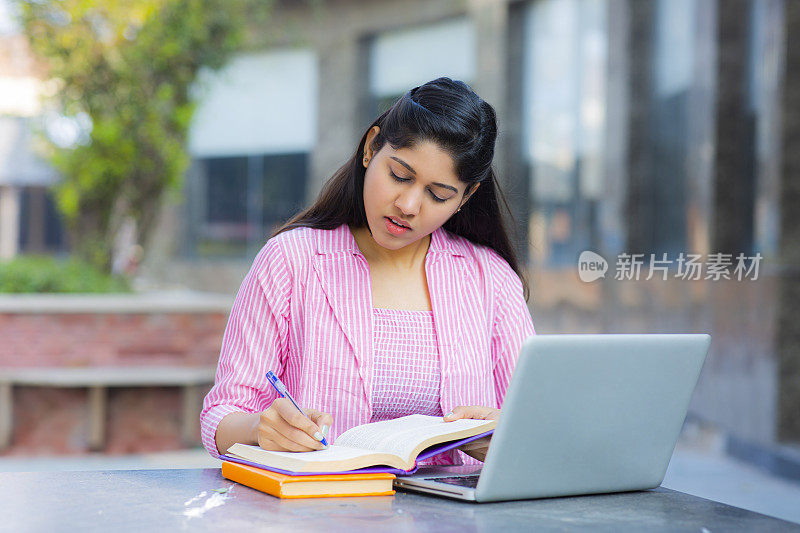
{"x": 363, "y": 462}
{"x": 311, "y": 486}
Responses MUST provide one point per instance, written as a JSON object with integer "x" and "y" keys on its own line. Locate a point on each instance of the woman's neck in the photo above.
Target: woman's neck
{"x": 408, "y": 258}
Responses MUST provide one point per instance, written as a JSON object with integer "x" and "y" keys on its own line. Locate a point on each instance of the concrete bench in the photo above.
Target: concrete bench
{"x": 97, "y": 380}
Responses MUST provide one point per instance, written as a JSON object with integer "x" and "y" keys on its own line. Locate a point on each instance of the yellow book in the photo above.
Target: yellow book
{"x": 396, "y": 443}
{"x": 321, "y": 486}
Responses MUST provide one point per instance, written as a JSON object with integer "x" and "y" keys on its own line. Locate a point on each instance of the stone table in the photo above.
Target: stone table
{"x": 185, "y": 500}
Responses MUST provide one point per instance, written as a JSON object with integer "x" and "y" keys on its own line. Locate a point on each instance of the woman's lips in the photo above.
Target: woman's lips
{"x": 393, "y": 228}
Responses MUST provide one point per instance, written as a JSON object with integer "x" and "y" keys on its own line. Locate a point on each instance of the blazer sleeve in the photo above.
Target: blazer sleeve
{"x": 255, "y": 340}
{"x": 513, "y": 325}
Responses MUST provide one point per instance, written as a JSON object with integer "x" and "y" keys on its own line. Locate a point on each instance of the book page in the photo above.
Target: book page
{"x": 402, "y": 435}
{"x": 331, "y": 453}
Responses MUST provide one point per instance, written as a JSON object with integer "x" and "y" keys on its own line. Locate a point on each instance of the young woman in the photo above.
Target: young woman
{"x": 397, "y": 292}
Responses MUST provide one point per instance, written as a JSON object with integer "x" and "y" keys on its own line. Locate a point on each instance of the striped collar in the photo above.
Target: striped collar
{"x": 339, "y": 240}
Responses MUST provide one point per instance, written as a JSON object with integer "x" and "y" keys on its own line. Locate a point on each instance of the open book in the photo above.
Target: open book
{"x": 396, "y": 443}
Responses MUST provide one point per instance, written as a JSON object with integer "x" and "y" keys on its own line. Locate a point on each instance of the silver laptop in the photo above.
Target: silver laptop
{"x": 584, "y": 414}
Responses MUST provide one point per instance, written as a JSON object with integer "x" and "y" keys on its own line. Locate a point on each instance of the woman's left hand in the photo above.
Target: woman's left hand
{"x": 477, "y": 448}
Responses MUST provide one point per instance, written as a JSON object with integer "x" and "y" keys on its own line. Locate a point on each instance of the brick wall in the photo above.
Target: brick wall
{"x": 108, "y": 339}
{"x": 41, "y": 331}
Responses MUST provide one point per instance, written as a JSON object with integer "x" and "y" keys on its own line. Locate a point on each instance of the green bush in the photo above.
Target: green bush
{"x": 25, "y": 274}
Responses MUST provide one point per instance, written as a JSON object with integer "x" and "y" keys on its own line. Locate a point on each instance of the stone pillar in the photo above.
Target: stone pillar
{"x": 613, "y": 232}
{"x": 640, "y": 90}
{"x": 341, "y": 81}
{"x": 515, "y": 170}
{"x": 490, "y": 19}
{"x": 497, "y": 82}
{"x": 9, "y": 221}
{"x": 788, "y": 331}
{"x": 734, "y": 170}
{"x": 612, "y": 216}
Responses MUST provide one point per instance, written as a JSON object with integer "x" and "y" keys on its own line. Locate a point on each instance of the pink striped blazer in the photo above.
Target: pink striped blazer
{"x": 304, "y": 311}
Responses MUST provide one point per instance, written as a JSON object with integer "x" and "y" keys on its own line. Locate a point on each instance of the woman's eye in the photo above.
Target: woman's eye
{"x": 398, "y": 178}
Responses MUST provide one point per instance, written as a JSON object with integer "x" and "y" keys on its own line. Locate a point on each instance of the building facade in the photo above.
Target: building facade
{"x": 650, "y": 129}
{"x": 29, "y": 222}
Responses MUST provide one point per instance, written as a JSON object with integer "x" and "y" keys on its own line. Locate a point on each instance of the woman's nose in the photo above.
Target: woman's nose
{"x": 409, "y": 202}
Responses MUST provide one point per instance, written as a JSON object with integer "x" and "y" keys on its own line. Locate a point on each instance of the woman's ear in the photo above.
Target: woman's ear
{"x": 374, "y": 130}
{"x": 467, "y": 197}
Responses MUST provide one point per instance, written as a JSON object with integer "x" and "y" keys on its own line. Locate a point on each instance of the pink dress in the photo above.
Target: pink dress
{"x": 305, "y": 312}
{"x": 408, "y": 371}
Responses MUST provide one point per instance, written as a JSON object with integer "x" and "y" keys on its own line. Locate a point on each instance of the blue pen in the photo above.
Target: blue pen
{"x": 281, "y": 388}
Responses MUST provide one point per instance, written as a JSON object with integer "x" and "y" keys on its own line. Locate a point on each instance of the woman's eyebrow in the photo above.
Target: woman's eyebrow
{"x": 415, "y": 173}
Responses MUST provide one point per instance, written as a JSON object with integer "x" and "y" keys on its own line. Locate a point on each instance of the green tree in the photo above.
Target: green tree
{"x": 129, "y": 66}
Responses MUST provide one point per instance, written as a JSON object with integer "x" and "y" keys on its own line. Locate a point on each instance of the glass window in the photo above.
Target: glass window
{"x": 41, "y": 229}
{"x": 674, "y": 161}
{"x": 575, "y": 131}
{"x": 564, "y": 92}
{"x": 665, "y": 201}
{"x": 402, "y": 59}
{"x": 245, "y": 199}
{"x": 251, "y": 137}
{"x": 227, "y": 194}
{"x": 764, "y": 70}
{"x": 257, "y": 104}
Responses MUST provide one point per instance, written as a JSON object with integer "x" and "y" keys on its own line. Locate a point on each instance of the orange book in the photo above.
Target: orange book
{"x": 319, "y": 486}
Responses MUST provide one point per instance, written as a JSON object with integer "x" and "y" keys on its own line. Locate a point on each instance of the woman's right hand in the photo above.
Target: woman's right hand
{"x": 283, "y": 428}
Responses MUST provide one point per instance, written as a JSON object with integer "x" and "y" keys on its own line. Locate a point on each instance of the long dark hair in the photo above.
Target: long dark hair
{"x": 448, "y": 113}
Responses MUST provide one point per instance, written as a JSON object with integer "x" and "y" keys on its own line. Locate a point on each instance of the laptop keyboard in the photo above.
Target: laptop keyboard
{"x": 461, "y": 481}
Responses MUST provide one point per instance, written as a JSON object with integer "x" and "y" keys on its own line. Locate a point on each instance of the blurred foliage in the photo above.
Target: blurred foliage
{"x": 46, "y": 274}
{"x": 129, "y": 67}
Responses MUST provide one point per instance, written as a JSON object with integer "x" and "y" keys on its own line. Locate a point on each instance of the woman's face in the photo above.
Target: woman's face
{"x": 415, "y": 186}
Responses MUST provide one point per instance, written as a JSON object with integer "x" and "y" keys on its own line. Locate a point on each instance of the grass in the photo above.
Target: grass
{"x": 45, "y": 274}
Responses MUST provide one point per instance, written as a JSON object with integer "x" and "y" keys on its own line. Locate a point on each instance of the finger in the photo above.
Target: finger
{"x": 274, "y": 420}
{"x": 492, "y": 414}
{"x": 267, "y": 443}
{"x": 321, "y": 419}
{"x": 269, "y": 434}
{"x": 285, "y": 435}
{"x": 268, "y": 438}
{"x": 476, "y": 412}
{"x": 298, "y": 428}
{"x": 458, "y": 413}
{"x": 295, "y": 418}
